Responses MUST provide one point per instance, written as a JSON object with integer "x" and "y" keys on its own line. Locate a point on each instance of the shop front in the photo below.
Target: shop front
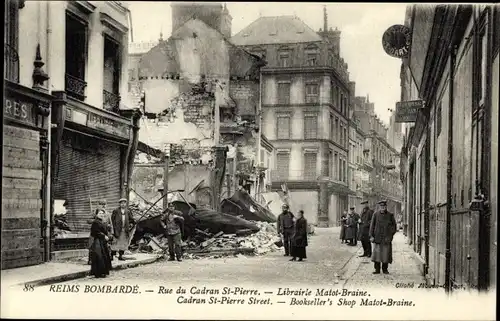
{"x": 91, "y": 160}
{"x": 24, "y": 176}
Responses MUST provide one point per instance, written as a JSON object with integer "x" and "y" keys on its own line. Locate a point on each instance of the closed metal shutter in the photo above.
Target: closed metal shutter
{"x": 88, "y": 168}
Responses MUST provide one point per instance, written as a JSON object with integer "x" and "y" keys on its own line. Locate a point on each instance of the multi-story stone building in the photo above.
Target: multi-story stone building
{"x": 358, "y": 171}
{"x": 305, "y": 109}
{"x": 84, "y": 150}
{"x": 380, "y": 158}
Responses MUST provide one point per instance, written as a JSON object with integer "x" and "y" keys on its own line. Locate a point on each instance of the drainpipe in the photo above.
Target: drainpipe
{"x": 48, "y": 193}
{"x": 449, "y": 199}
{"x": 259, "y": 137}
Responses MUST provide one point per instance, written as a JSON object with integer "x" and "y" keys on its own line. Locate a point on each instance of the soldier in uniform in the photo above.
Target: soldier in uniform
{"x": 285, "y": 226}
{"x": 364, "y": 229}
{"x": 382, "y": 230}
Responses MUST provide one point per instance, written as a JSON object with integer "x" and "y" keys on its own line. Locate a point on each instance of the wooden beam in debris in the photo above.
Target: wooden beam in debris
{"x": 211, "y": 240}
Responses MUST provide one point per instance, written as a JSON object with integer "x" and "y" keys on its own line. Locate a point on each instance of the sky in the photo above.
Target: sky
{"x": 361, "y": 24}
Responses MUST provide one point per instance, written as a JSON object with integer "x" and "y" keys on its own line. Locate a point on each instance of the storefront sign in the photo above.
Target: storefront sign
{"x": 396, "y": 41}
{"x": 108, "y": 125}
{"x": 406, "y": 111}
{"x": 20, "y": 110}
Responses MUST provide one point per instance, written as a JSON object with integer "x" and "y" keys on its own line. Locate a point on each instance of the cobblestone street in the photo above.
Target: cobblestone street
{"x": 329, "y": 263}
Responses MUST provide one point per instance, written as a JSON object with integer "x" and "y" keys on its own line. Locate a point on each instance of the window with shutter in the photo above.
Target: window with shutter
{"x": 332, "y": 128}
{"x": 336, "y": 165}
{"x": 336, "y": 130}
{"x": 283, "y": 127}
{"x": 310, "y": 159}
{"x": 312, "y": 93}
{"x": 312, "y": 59}
{"x": 310, "y": 127}
{"x": 284, "y": 93}
{"x": 283, "y": 164}
{"x": 11, "y": 37}
{"x": 330, "y": 164}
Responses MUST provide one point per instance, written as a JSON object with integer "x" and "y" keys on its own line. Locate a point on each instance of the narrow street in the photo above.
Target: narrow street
{"x": 326, "y": 259}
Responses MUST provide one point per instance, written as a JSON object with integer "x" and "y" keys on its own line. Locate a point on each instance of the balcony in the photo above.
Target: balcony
{"x": 11, "y": 63}
{"x": 110, "y": 101}
{"x": 75, "y": 87}
{"x": 294, "y": 175}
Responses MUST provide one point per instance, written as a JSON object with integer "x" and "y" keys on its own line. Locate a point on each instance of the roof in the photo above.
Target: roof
{"x": 165, "y": 59}
{"x": 275, "y": 30}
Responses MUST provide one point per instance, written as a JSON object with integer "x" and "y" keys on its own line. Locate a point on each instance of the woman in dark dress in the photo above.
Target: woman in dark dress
{"x": 100, "y": 255}
{"x": 299, "y": 238}
{"x": 343, "y": 221}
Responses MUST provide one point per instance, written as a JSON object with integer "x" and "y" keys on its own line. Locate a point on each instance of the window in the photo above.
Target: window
{"x": 335, "y": 100}
{"x": 312, "y": 59}
{"x": 346, "y": 111}
{"x": 11, "y": 34}
{"x": 312, "y": 93}
{"x": 332, "y": 129}
{"x": 111, "y": 74}
{"x": 284, "y": 93}
{"x": 283, "y": 164}
{"x": 284, "y": 59}
{"x": 341, "y": 169}
{"x": 483, "y": 50}
{"x": 310, "y": 126}
{"x": 336, "y": 166}
{"x": 341, "y": 134}
{"x": 336, "y": 128}
{"x": 76, "y": 56}
{"x": 310, "y": 162}
{"x": 283, "y": 127}
{"x": 341, "y": 103}
{"x": 330, "y": 164}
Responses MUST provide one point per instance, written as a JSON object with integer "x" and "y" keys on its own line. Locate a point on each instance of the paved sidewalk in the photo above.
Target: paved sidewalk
{"x": 404, "y": 268}
{"x": 59, "y": 271}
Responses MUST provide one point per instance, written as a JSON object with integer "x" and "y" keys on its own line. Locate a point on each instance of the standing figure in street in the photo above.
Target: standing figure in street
{"x": 343, "y": 222}
{"x": 350, "y": 228}
{"x": 285, "y": 226}
{"x": 122, "y": 224}
{"x": 356, "y": 218}
{"x": 364, "y": 229}
{"x": 299, "y": 238}
{"x": 107, "y": 221}
{"x": 173, "y": 232}
{"x": 100, "y": 257}
{"x": 382, "y": 230}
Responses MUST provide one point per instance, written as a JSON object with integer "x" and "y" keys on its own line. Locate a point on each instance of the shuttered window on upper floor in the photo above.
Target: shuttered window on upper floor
{"x": 310, "y": 126}
{"x": 283, "y": 127}
{"x": 310, "y": 165}
{"x": 284, "y": 93}
{"x": 312, "y": 93}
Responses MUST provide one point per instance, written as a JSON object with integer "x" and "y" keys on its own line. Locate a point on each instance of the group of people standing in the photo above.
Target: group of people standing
{"x": 371, "y": 227}
{"x": 293, "y": 231}
{"x": 111, "y": 234}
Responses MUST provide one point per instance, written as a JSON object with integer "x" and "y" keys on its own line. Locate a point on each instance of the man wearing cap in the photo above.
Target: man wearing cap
{"x": 382, "y": 230}
{"x": 122, "y": 224}
{"x": 364, "y": 229}
{"x": 285, "y": 225}
{"x": 173, "y": 221}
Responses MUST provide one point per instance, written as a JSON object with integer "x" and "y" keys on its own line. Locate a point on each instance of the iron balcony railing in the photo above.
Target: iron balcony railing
{"x": 11, "y": 63}
{"x": 294, "y": 175}
{"x": 110, "y": 101}
{"x": 75, "y": 87}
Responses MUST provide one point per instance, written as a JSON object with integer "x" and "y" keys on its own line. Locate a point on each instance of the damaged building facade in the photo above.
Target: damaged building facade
{"x": 306, "y": 96}
{"x": 450, "y": 152}
{"x": 184, "y": 80}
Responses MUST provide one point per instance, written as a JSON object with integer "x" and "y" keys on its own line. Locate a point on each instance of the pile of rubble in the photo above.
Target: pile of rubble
{"x": 204, "y": 244}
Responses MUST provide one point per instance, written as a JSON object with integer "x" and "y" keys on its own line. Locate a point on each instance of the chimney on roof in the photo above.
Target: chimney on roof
{"x": 325, "y": 19}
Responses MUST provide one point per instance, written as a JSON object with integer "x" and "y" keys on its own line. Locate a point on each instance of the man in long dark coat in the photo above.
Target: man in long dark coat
{"x": 285, "y": 226}
{"x": 382, "y": 230}
{"x": 364, "y": 229}
{"x": 356, "y": 217}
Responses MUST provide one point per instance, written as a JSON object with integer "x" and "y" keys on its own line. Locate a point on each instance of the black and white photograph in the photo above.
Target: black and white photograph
{"x": 249, "y": 160}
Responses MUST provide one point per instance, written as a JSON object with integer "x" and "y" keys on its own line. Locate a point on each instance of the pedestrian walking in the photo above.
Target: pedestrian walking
{"x": 122, "y": 224}
{"x": 299, "y": 238}
{"x": 382, "y": 230}
{"x": 173, "y": 232}
{"x": 343, "y": 222}
{"x": 100, "y": 256}
{"x": 285, "y": 227}
{"x": 350, "y": 228}
{"x": 107, "y": 220}
{"x": 364, "y": 229}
